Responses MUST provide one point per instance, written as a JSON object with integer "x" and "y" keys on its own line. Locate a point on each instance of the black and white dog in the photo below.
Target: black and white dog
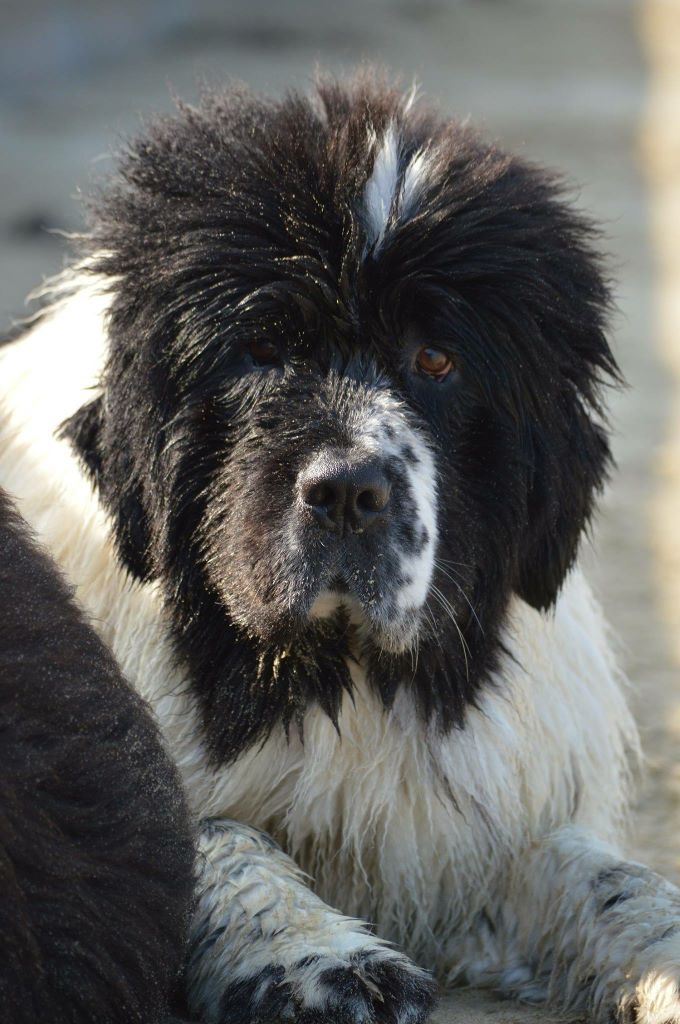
{"x": 96, "y": 853}
{"x": 315, "y": 427}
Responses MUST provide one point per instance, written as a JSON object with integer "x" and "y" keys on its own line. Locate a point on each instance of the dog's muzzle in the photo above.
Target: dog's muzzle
{"x": 359, "y": 524}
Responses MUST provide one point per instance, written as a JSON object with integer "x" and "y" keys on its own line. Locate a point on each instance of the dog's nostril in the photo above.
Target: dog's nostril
{"x": 373, "y": 499}
{"x": 320, "y": 495}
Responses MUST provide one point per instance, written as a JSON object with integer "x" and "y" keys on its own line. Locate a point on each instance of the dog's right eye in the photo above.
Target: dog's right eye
{"x": 263, "y": 352}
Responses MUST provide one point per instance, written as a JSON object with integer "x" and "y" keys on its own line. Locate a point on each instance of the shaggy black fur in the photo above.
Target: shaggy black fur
{"x": 243, "y": 219}
{"x": 96, "y": 856}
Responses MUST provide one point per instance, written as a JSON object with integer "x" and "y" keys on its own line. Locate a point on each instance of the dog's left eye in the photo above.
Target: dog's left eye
{"x": 264, "y": 352}
{"x": 434, "y": 362}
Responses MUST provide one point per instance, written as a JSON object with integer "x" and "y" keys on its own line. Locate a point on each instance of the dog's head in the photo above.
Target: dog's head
{"x": 351, "y": 400}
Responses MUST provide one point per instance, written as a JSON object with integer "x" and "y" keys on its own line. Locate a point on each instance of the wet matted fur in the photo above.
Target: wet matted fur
{"x": 316, "y": 429}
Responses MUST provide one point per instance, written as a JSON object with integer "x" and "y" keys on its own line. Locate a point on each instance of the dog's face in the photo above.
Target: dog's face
{"x": 326, "y": 496}
{"x": 349, "y": 405}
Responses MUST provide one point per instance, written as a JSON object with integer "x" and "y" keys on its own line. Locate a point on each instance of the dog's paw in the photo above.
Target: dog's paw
{"x": 369, "y": 986}
{"x": 654, "y": 998}
{"x": 265, "y": 949}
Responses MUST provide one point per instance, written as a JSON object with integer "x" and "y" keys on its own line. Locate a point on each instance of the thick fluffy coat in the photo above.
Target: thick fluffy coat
{"x": 96, "y": 855}
{"x": 333, "y": 366}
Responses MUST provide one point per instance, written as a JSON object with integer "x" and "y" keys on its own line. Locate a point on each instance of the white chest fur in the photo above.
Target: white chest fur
{"x": 396, "y": 824}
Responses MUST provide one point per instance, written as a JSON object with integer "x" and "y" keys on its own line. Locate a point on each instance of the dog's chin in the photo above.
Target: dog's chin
{"x": 356, "y": 626}
{"x": 331, "y": 605}
{"x": 393, "y": 635}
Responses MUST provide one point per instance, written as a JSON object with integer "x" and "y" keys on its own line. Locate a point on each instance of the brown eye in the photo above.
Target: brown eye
{"x": 434, "y": 362}
{"x": 263, "y": 352}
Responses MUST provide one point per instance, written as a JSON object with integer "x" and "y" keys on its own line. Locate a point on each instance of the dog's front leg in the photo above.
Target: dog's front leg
{"x": 264, "y": 947}
{"x": 601, "y": 934}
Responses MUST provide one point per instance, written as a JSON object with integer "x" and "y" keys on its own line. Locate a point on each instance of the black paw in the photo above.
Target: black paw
{"x": 377, "y": 986}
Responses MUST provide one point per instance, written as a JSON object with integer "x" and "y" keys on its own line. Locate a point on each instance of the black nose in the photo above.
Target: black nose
{"x": 344, "y": 494}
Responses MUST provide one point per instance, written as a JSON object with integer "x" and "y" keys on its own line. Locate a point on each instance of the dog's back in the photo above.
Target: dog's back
{"x": 95, "y": 852}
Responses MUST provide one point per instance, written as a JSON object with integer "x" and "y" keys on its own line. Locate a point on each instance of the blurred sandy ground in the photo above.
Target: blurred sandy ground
{"x": 658, "y": 691}
{"x": 589, "y": 86}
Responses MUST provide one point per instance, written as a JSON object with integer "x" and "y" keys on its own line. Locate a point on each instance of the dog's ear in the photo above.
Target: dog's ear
{"x": 569, "y": 468}
{"x": 110, "y": 468}
{"x": 83, "y": 430}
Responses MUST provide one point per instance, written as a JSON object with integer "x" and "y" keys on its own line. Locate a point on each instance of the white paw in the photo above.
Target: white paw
{"x": 655, "y": 997}
{"x": 265, "y": 948}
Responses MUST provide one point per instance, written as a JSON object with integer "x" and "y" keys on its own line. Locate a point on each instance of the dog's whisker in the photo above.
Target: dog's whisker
{"x": 452, "y": 616}
{"x": 448, "y": 561}
{"x": 455, "y": 582}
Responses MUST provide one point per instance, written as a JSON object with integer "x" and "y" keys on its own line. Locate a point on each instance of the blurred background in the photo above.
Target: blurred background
{"x": 589, "y": 86}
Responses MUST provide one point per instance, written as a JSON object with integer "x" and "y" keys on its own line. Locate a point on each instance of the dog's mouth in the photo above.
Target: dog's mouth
{"x": 370, "y": 613}
{"x": 339, "y": 585}
{"x": 335, "y": 596}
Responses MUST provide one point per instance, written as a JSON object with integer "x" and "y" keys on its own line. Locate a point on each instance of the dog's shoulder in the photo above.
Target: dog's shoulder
{"x": 46, "y": 374}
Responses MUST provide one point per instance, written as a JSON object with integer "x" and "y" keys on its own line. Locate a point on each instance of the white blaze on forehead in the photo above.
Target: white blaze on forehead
{"x": 381, "y": 187}
{"x": 385, "y": 199}
{"x": 414, "y": 179}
